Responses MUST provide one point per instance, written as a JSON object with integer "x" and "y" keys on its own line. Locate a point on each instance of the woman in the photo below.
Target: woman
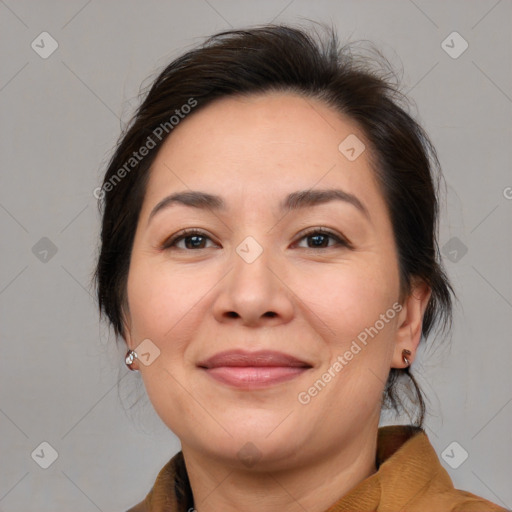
{"x": 269, "y": 256}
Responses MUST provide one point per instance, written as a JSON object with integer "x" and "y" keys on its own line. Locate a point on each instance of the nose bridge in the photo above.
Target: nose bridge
{"x": 252, "y": 293}
{"x": 251, "y": 260}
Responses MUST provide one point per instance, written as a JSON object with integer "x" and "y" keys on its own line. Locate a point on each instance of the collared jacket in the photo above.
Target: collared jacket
{"x": 409, "y": 478}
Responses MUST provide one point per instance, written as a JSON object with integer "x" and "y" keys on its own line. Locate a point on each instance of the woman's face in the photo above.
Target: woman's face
{"x": 261, "y": 276}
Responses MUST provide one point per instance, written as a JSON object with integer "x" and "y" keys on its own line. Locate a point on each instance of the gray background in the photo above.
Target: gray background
{"x": 60, "y": 369}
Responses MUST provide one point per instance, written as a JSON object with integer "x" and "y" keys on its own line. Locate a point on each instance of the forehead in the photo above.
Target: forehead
{"x": 264, "y": 144}
{"x": 235, "y": 126}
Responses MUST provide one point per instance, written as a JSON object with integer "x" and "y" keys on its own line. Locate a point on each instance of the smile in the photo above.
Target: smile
{"x": 253, "y": 370}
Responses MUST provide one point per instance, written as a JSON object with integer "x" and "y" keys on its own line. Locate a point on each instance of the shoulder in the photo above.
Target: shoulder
{"x": 457, "y": 500}
{"x": 170, "y": 489}
{"x": 140, "y": 507}
{"x": 411, "y": 476}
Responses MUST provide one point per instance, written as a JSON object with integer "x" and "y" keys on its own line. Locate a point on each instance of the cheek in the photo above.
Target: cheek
{"x": 159, "y": 298}
{"x": 347, "y": 299}
{"x": 353, "y": 306}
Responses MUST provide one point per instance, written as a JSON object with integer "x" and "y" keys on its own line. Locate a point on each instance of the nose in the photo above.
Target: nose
{"x": 254, "y": 293}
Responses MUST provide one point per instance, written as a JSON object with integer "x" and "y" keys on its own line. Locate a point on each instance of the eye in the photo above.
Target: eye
{"x": 192, "y": 238}
{"x": 320, "y": 238}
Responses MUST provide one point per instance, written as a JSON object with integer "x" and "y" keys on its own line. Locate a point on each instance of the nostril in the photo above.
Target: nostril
{"x": 232, "y": 314}
{"x": 271, "y": 314}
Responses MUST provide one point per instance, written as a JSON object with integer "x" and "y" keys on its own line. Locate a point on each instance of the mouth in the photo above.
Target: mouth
{"x": 253, "y": 370}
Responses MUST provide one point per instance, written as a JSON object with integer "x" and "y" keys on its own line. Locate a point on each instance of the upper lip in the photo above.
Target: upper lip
{"x": 258, "y": 358}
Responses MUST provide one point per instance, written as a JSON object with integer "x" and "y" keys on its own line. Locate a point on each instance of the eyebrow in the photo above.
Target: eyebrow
{"x": 294, "y": 201}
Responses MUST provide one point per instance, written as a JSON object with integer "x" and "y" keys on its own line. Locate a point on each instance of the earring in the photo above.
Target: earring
{"x": 406, "y": 353}
{"x": 130, "y": 357}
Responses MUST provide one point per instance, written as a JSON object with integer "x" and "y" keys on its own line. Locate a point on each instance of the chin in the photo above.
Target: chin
{"x": 256, "y": 443}
{"x": 255, "y": 454}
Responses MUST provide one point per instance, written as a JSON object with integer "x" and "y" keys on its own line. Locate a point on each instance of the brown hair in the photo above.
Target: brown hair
{"x": 283, "y": 58}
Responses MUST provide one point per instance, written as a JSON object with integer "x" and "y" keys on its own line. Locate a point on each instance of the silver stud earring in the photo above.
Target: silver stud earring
{"x": 130, "y": 357}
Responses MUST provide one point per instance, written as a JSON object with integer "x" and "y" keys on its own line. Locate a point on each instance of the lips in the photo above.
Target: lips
{"x": 255, "y": 359}
{"x": 251, "y": 370}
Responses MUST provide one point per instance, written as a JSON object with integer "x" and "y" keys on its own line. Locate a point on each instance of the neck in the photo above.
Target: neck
{"x": 314, "y": 483}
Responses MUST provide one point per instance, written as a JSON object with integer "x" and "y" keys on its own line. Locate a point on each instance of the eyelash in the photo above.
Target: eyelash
{"x": 187, "y": 233}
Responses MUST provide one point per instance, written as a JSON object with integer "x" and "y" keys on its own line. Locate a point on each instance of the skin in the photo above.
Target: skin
{"x": 194, "y": 302}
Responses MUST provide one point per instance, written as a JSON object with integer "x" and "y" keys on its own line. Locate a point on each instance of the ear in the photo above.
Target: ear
{"x": 410, "y": 322}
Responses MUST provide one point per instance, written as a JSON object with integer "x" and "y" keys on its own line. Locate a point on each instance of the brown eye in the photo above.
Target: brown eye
{"x": 193, "y": 240}
{"x": 321, "y": 238}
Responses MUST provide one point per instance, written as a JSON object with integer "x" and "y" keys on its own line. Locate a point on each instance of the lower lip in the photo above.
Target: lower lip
{"x": 253, "y": 377}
